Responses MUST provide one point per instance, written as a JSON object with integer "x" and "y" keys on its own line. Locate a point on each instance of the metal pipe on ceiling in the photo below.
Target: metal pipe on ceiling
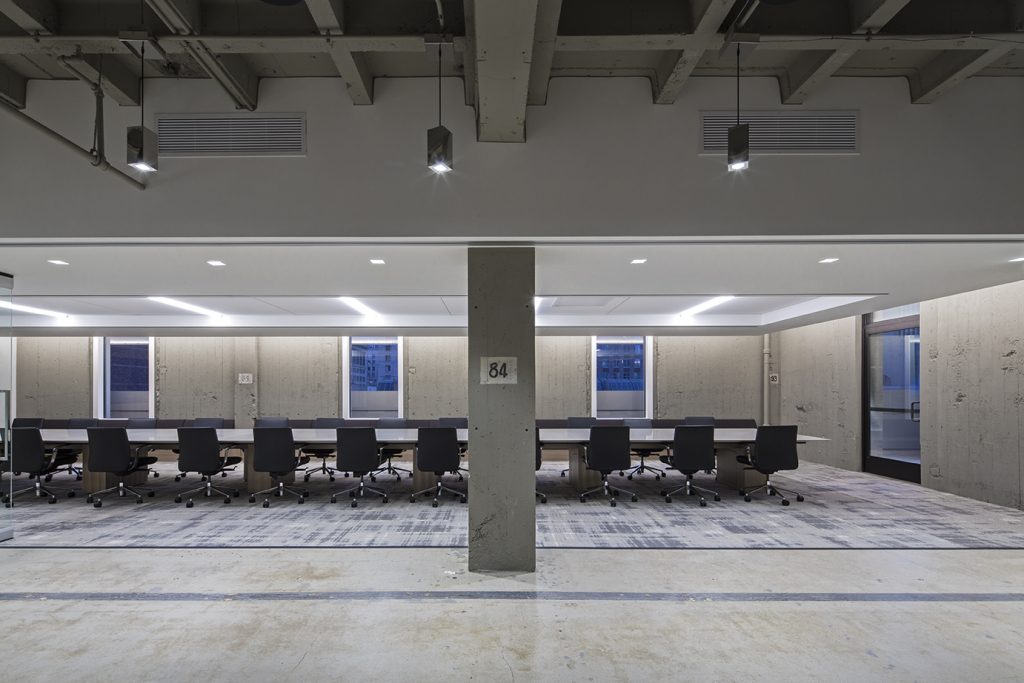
{"x": 104, "y": 165}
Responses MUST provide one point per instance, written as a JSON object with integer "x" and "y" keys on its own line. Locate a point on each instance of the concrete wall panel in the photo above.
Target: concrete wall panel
{"x": 718, "y": 376}
{"x": 299, "y": 377}
{"x": 563, "y": 377}
{"x": 54, "y": 377}
{"x": 435, "y": 377}
{"x": 195, "y": 377}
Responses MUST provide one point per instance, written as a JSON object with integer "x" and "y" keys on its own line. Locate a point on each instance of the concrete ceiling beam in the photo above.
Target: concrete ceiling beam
{"x": 544, "y": 35}
{"x": 38, "y": 17}
{"x": 354, "y": 71}
{"x": 809, "y": 72}
{"x": 328, "y": 15}
{"x": 12, "y": 87}
{"x": 948, "y": 70}
{"x": 115, "y": 79}
{"x": 707, "y": 17}
{"x": 872, "y": 15}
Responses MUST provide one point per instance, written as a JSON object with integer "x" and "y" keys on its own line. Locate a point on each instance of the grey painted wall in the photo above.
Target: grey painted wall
{"x": 435, "y": 377}
{"x": 718, "y": 376}
{"x": 972, "y": 392}
{"x": 54, "y": 377}
{"x": 819, "y": 370}
{"x": 195, "y": 376}
{"x": 563, "y": 377}
{"x": 299, "y": 377}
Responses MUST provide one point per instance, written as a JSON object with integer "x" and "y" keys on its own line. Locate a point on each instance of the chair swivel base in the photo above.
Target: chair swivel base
{"x": 321, "y": 469}
{"x": 358, "y": 491}
{"x": 437, "y": 490}
{"x": 388, "y": 468}
{"x": 40, "y": 491}
{"x": 279, "y": 490}
{"x": 208, "y": 489}
{"x": 641, "y": 468}
{"x": 690, "y": 490}
{"x": 773, "y": 490}
{"x": 611, "y": 492}
{"x": 543, "y": 498}
{"x": 122, "y": 491}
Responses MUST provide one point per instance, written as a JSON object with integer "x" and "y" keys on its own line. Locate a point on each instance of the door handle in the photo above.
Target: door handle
{"x": 915, "y": 411}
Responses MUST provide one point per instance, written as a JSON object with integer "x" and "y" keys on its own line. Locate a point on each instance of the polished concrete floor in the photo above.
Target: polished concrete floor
{"x": 322, "y": 614}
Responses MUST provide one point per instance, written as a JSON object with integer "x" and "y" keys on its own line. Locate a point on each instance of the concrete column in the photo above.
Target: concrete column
{"x": 502, "y": 417}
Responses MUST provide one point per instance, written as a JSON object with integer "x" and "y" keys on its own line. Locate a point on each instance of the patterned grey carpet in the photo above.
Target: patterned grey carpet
{"x": 842, "y": 510}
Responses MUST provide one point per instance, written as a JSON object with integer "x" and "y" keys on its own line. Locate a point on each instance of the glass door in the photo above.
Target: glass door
{"x": 6, "y": 385}
{"x": 893, "y": 393}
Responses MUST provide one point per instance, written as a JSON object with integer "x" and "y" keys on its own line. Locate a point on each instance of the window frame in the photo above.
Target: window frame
{"x": 345, "y": 409}
{"x": 101, "y": 375}
{"x": 648, "y": 342}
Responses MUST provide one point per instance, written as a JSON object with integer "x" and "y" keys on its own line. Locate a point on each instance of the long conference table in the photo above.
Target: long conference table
{"x": 728, "y": 443}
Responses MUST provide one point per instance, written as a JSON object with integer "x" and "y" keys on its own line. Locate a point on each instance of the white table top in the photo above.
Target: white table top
{"x": 403, "y": 436}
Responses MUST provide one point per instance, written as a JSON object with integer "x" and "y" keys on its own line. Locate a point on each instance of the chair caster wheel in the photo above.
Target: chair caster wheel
{"x": 177, "y": 479}
{"x": 703, "y": 503}
{"x": 156, "y": 475}
{"x": 633, "y": 499}
{"x": 746, "y": 498}
{"x": 252, "y": 499}
{"x": 351, "y": 494}
{"x": 657, "y": 477}
{"x": 53, "y": 499}
{"x": 334, "y": 499}
{"x": 622, "y": 474}
{"x": 771, "y": 492}
{"x": 332, "y": 478}
{"x": 227, "y": 500}
{"x": 224, "y": 475}
{"x": 384, "y": 499}
{"x": 78, "y": 477}
{"x": 630, "y": 477}
{"x": 234, "y": 493}
{"x": 355, "y": 503}
{"x": 98, "y": 504}
{"x": 266, "y": 503}
{"x": 543, "y": 499}
{"x": 668, "y": 499}
{"x": 433, "y": 504}
{"x": 48, "y": 477}
{"x": 71, "y": 494}
{"x": 346, "y": 475}
{"x": 785, "y": 503}
{"x": 583, "y": 499}
{"x": 462, "y": 499}
{"x": 189, "y": 503}
{"x": 302, "y": 499}
{"x": 614, "y": 503}
{"x": 88, "y": 498}
{"x": 138, "y": 501}
{"x": 412, "y": 499}
{"x": 177, "y": 499}
{"x": 799, "y": 499}
{"x": 563, "y": 474}
{"x": 306, "y": 478}
{"x": 373, "y": 478}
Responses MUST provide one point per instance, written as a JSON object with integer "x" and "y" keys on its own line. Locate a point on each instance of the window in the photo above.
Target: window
{"x": 374, "y": 377}
{"x": 128, "y": 377}
{"x": 621, "y": 368}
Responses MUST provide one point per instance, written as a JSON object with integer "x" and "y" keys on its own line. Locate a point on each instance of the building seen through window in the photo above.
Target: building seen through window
{"x": 374, "y": 367}
{"x": 620, "y": 377}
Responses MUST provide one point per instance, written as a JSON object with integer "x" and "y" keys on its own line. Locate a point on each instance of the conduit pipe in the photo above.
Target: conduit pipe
{"x": 103, "y": 164}
{"x": 766, "y": 352}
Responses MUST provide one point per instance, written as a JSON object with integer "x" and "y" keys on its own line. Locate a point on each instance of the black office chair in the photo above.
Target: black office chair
{"x": 321, "y": 451}
{"x": 578, "y": 423}
{"x": 66, "y": 451}
{"x": 143, "y": 423}
{"x": 537, "y": 493}
{"x": 215, "y": 423}
{"x": 774, "y": 450}
{"x": 692, "y": 421}
{"x": 458, "y": 423}
{"x": 18, "y": 423}
{"x": 200, "y": 451}
{"x": 274, "y": 453}
{"x": 386, "y": 466}
{"x": 693, "y": 450}
{"x": 30, "y": 456}
{"x": 643, "y": 452}
{"x": 277, "y": 422}
{"x": 111, "y": 452}
{"x": 437, "y": 451}
{"x": 608, "y": 451}
{"x": 359, "y": 454}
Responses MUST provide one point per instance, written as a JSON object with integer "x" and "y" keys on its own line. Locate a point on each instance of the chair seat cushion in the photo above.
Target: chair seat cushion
{"x": 648, "y": 452}
{"x": 743, "y": 459}
{"x": 147, "y": 460}
{"x": 232, "y": 460}
{"x": 319, "y": 452}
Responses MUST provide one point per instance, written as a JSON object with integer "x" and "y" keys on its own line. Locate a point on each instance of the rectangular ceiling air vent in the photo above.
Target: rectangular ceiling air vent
{"x": 784, "y": 132}
{"x": 231, "y": 135}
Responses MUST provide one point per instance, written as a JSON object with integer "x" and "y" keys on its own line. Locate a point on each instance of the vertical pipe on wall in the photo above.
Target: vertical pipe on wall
{"x": 766, "y": 354}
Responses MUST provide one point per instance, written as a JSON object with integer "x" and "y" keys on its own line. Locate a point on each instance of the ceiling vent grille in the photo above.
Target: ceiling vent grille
{"x": 232, "y": 135}
{"x": 782, "y": 132}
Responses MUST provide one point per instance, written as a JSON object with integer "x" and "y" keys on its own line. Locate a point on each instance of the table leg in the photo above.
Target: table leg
{"x": 421, "y": 480}
{"x": 581, "y": 478}
{"x": 733, "y": 476}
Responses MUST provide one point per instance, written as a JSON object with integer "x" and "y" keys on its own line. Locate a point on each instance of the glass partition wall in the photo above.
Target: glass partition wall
{"x": 6, "y": 387}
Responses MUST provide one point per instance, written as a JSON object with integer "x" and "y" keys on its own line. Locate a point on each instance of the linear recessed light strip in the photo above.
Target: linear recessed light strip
{"x": 357, "y": 306}
{"x": 33, "y": 310}
{"x": 707, "y": 305}
{"x": 191, "y": 308}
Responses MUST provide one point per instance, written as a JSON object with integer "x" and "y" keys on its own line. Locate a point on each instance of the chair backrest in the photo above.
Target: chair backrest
{"x": 109, "y": 449}
{"x": 215, "y": 422}
{"x": 609, "y": 448}
{"x": 699, "y": 421}
{"x": 199, "y": 450}
{"x": 580, "y": 422}
{"x": 141, "y": 423}
{"x": 693, "y": 448}
{"x": 736, "y": 423}
{"x": 19, "y": 422}
{"x": 391, "y": 423}
{"x": 358, "y": 451}
{"x": 437, "y": 449}
{"x": 273, "y": 450}
{"x": 637, "y": 422}
{"x": 457, "y": 422}
{"x": 82, "y": 422}
{"x": 539, "y": 453}
{"x": 328, "y": 423}
{"x": 271, "y": 422}
{"x": 775, "y": 448}
{"x": 27, "y": 451}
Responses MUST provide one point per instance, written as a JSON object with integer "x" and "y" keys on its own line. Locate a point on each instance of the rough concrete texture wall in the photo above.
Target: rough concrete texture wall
{"x": 718, "y": 376}
{"x": 299, "y": 377}
{"x": 972, "y": 394}
{"x": 819, "y": 389}
{"x": 195, "y": 377}
{"x": 563, "y": 377}
{"x": 435, "y": 377}
{"x": 54, "y": 377}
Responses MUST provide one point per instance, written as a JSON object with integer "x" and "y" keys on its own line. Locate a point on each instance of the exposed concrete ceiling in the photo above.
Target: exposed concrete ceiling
{"x": 508, "y": 51}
